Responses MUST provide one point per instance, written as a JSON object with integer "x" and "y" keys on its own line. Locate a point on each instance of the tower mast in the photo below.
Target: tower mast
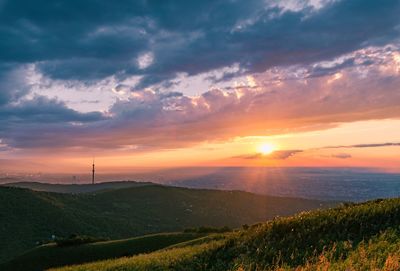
{"x": 93, "y": 172}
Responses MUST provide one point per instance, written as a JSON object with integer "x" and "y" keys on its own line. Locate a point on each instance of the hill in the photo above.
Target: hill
{"x": 28, "y": 217}
{"x": 76, "y": 188}
{"x": 352, "y": 237}
{"x": 52, "y": 255}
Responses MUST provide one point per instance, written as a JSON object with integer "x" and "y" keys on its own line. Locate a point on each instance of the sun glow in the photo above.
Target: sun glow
{"x": 266, "y": 149}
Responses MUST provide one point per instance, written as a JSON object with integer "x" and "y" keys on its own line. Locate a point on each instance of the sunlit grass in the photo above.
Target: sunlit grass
{"x": 381, "y": 252}
{"x": 168, "y": 259}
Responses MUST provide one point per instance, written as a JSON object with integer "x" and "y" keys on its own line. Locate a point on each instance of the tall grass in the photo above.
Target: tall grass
{"x": 382, "y": 252}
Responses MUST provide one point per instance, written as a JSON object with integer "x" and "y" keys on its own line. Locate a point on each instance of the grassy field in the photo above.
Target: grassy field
{"x": 28, "y": 217}
{"x": 353, "y": 237}
{"x": 51, "y": 255}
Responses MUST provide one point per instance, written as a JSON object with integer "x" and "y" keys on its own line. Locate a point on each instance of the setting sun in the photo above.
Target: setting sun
{"x": 266, "y": 149}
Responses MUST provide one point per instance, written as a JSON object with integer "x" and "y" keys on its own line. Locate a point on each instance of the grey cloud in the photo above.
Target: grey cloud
{"x": 12, "y": 85}
{"x": 249, "y": 156}
{"x": 341, "y": 155}
{"x": 88, "y": 40}
{"x": 42, "y": 109}
{"x": 154, "y": 119}
{"x": 171, "y": 94}
{"x": 372, "y": 145}
{"x": 158, "y": 120}
{"x": 288, "y": 39}
{"x": 42, "y": 122}
{"x": 375, "y": 145}
{"x": 283, "y": 154}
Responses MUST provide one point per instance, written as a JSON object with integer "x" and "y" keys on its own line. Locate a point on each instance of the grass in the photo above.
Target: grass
{"x": 28, "y": 217}
{"x": 181, "y": 258}
{"x": 51, "y": 255}
{"x": 352, "y": 237}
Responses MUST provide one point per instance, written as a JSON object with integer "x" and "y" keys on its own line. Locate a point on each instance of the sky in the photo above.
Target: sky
{"x": 199, "y": 83}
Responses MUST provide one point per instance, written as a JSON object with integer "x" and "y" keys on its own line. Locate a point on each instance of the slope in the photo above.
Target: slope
{"x": 27, "y": 217}
{"x": 76, "y": 188}
{"x": 352, "y": 237}
{"x": 51, "y": 255}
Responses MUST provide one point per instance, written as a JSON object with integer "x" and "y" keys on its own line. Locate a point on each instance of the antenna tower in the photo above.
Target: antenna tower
{"x": 93, "y": 171}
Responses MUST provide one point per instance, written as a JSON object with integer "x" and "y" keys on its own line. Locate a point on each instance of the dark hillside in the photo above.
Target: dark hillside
{"x": 51, "y": 255}
{"x": 27, "y": 217}
{"x": 76, "y": 188}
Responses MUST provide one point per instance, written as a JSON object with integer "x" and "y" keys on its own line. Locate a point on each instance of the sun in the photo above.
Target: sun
{"x": 266, "y": 148}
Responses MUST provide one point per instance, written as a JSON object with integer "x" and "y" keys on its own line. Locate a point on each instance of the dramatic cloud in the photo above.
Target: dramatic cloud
{"x": 154, "y": 119}
{"x": 307, "y": 65}
{"x": 88, "y": 40}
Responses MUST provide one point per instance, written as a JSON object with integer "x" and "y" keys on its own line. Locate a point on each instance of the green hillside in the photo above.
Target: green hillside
{"x": 354, "y": 237}
{"x": 52, "y": 255}
{"x": 27, "y": 217}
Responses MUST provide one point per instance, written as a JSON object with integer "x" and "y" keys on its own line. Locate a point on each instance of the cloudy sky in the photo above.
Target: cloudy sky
{"x": 141, "y": 83}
